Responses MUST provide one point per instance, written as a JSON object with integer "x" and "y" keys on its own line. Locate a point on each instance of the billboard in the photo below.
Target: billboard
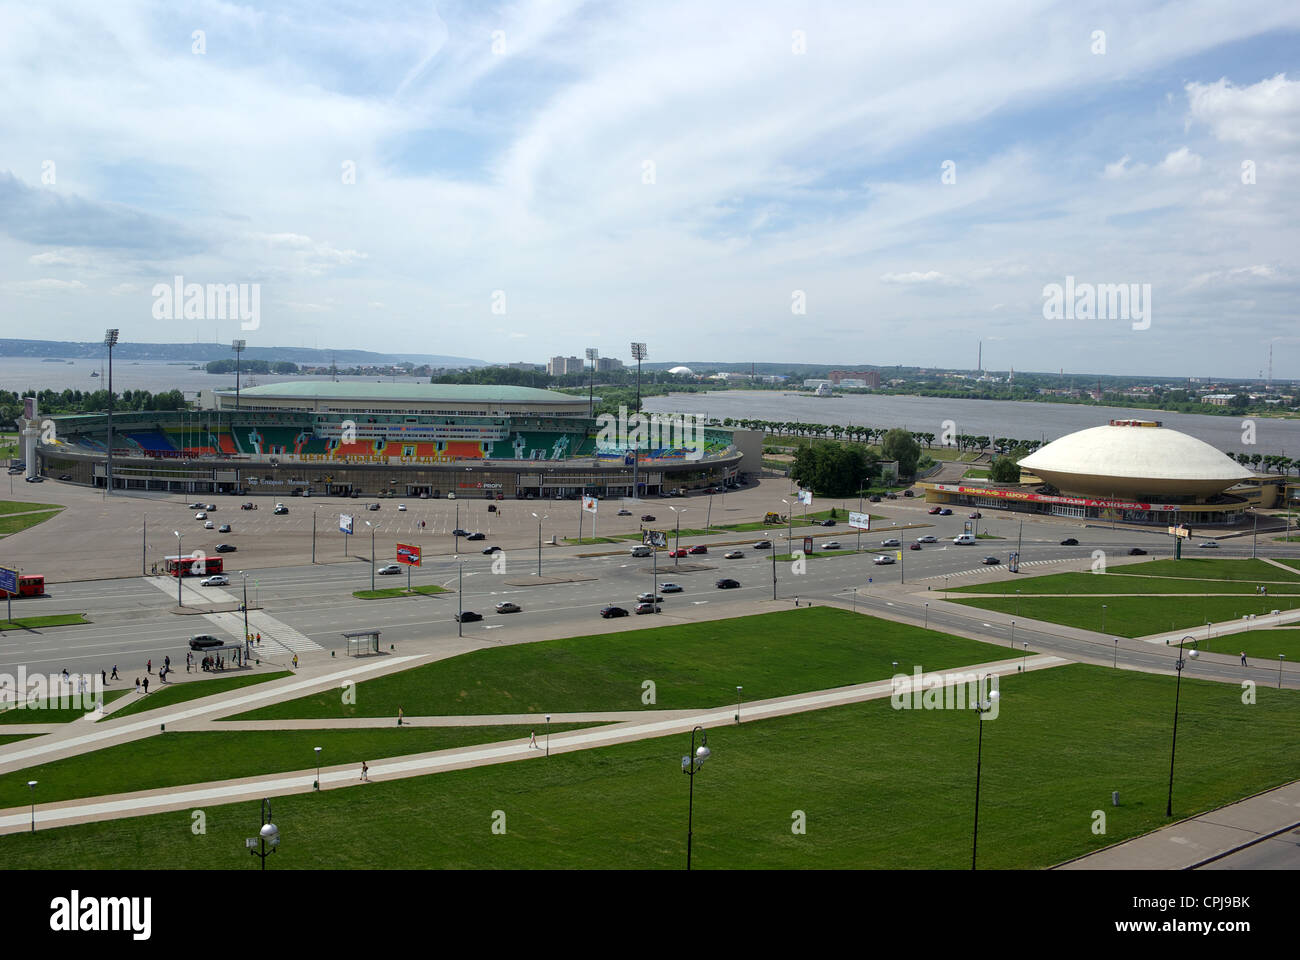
{"x": 859, "y": 521}
{"x": 408, "y": 553}
{"x": 805, "y": 497}
{"x": 654, "y": 538}
{"x": 589, "y": 504}
{"x": 807, "y": 545}
{"x": 345, "y": 522}
{"x": 8, "y": 580}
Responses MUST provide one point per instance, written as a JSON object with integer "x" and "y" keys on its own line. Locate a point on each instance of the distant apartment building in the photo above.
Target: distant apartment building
{"x": 1218, "y": 399}
{"x": 851, "y": 378}
{"x": 560, "y": 366}
{"x": 523, "y": 366}
{"x": 815, "y": 384}
{"x": 608, "y": 364}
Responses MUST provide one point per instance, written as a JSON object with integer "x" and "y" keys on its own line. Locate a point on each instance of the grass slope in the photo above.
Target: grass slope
{"x": 1133, "y": 616}
{"x": 171, "y": 694}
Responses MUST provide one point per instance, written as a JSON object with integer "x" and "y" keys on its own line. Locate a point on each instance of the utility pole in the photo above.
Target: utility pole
{"x": 592, "y": 354}
{"x": 238, "y": 346}
{"x": 110, "y": 341}
{"x": 639, "y": 354}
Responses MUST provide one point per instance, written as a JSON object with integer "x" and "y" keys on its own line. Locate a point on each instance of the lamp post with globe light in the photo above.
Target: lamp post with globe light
{"x": 690, "y": 766}
{"x": 1178, "y": 666}
{"x": 981, "y": 708}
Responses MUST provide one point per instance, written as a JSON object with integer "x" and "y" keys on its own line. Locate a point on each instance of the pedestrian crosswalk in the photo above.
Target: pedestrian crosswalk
{"x": 995, "y": 567}
{"x": 277, "y": 637}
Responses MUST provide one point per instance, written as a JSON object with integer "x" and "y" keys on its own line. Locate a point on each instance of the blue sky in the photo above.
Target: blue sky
{"x": 668, "y": 172}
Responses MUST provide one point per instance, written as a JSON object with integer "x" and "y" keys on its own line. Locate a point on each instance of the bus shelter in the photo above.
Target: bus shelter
{"x": 361, "y": 642}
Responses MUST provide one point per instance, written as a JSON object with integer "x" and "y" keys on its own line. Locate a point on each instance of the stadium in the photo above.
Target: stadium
{"x": 1129, "y": 471}
{"x": 382, "y": 439}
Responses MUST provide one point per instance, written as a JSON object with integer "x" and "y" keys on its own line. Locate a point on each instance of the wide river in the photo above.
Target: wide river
{"x": 1021, "y": 420}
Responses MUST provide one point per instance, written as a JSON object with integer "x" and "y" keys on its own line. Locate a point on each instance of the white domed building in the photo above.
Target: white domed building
{"x": 687, "y": 371}
{"x": 1134, "y": 471}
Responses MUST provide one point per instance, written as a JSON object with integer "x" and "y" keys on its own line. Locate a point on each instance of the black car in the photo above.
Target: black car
{"x": 763, "y": 545}
{"x": 476, "y": 536}
{"x": 727, "y": 584}
{"x": 225, "y": 548}
{"x": 1137, "y": 552}
{"x": 65, "y": 476}
{"x": 828, "y": 522}
{"x": 991, "y": 560}
{"x": 648, "y": 518}
{"x": 468, "y": 616}
{"x": 1069, "y": 542}
{"x": 491, "y": 549}
{"x": 203, "y": 641}
{"x": 608, "y": 612}
{"x": 874, "y": 498}
{"x": 458, "y": 532}
{"x": 373, "y": 506}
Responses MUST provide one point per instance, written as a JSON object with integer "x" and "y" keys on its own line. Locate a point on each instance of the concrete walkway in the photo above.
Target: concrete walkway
{"x": 1201, "y": 839}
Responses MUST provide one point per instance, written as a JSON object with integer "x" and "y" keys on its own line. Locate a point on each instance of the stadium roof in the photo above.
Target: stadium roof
{"x": 309, "y": 390}
{"x": 1134, "y": 457}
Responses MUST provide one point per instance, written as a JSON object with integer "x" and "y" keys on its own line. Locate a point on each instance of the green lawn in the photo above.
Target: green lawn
{"x": 426, "y": 590}
{"x": 817, "y": 555}
{"x": 1290, "y": 563}
{"x": 1133, "y": 616}
{"x": 9, "y": 525}
{"x": 590, "y": 540}
{"x": 691, "y": 665}
{"x": 35, "y": 623}
{"x": 975, "y": 475}
{"x": 1251, "y": 571}
{"x": 15, "y": 737}
{"x": 175, "y": 759}
{"x": 880, "y": 789}
{"x": 166, "y": 695}
{"x": 17, "y": 506}
{"x": 1116, "y": 582}
{"x": 1260, "y": 646}
{"x": 38, "y": 714}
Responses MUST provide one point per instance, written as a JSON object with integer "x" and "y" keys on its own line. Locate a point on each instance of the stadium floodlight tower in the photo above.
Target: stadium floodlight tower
{"x": 638, "y": 354}
{"x": 238, "y": 346}
{"x": 592, "y": 355}
{"x": 110, "y": 341}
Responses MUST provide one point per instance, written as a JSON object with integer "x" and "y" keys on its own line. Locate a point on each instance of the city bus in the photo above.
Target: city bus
{"x": 29, "y": 585}
{"x": 202, "y": 566}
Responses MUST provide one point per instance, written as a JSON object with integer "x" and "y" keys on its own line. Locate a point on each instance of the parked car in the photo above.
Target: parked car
{"x": 65, "y": 476}
{"x": 610, "y": 612}
{"x": 225, "y": 548}
{"x": 224, "y": 528}
{"x": 928, "y": 538}
{"x": 625, "y": 513}
{"x": 648, "y": 598}
{"x": 203, "y": 641}
{"x": 828, "y": 522}
{"x": 196, "y": 506}
{"x": 763, "y": 545}
{"x": 883, "y": 559}
{"x": 647, "y": 608}
{"x": 698, "y": 549}
{"x": 908, "y": 493}
{"x": 280, "y": 510}
{"x": 208, "y": 525}
{"x": 468, "y": 616}
{"x": 874, "y": 498}
{"x": 373, "y": 506}
{"x": 200, "y": 515}
{"x": 248, "y": 506}
{"x": 1209, "y": 545}
{"x": 460, "y": 532}
{"x": 509, "y": 606}
{"x": 891, "y": 542}
{"x": 831, "y": 545}
{"x": 389, "y": 569}
{"x": 401, "y": 507}
{"x": 647, "y": 518}
{"x": 733, "y": 555}
{"x": 991, "y": 560}
{"x": 674, "y": 554}
{"x": 450, "y": 496}
{"x": 1069, "y": 542}
{"x": 1137, "y": 552}
{"x": 891, "y": 495}
{"x": 670, "y": 587}
{"x": 934, "y": 510}
{"x": 220, "y": 580}
{"x": 727, "y": 584}
{"x": 210, "y": 506}
{"x": 35, "y": 479}
{"x": 976, "y": 515}
{"x": 945, "y": 512}
{"x": 476, "y": 536}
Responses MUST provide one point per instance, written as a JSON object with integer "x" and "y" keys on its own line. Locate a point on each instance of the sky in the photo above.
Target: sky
{"x": 840, "y": 183}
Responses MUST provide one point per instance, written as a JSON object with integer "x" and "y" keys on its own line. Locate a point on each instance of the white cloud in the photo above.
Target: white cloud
{"x": 1263, "y": 114}
{"x": 1180, "y": 161}
{"x": 917, "y": 277}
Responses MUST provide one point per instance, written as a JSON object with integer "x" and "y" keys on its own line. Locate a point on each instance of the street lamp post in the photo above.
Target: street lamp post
{"x": 316, "y": 785}
{"x": 248, "y": 650}
{"x": 460, "y": 598}
{"x": 268, "y": 833}
{"x": 982, "y": 707}
{"x": 374, "y": 527}
{"x": 313, "y": 536}
{"x": 110, "y": 341}
{"x": 1115, "y": 660}
{"x": 31, "y": 791}
{"x": 1169, "y": 805}
{"x": 789, "y": 528}
{"x": 927, "y": 612}
{"x": 180, "y": 568}
{"x": 1013, "y": 633}
{"x": 1024, "y": 663}
{"x": 539, "y": 542}
{"x": 1103, "y": 618}
{"x": 548, "y": 734}
{"x": 738, "y": 689}
{"x": 690, "y": 766}
{"x": 638, "y": 354}
{"x": 677, "y": 541}
{"x": 1280, "y": 658}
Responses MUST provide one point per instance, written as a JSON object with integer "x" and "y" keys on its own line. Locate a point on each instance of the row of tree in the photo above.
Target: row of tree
{"x": 1271, "y": 461}
{"x": 282, "y": 367}
{"x": 89, "y": 401}
{"x": 842, "y": 469}
{"x": 876, "y": 435}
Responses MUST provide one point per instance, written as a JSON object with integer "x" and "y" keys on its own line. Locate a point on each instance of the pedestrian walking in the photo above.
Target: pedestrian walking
{"x": 532, "y": 740}
{"x": 66, "y": 678}
{"x": 189, "y": 661}
{"x": 1243, "y": 659}
{"x": 137, "y": 684}
{"x": 146, "y": 684}
{"x": 114, "y": 676}
{"x": 259, "y": 639}
{"x": 365, "y": 771}
{"x": 148, "y": 666}
{"x": 399, "y": 716}
{"x": 295, "y": 661}
{"x": 103, "y": 676}
{"x": 167, "y": 662}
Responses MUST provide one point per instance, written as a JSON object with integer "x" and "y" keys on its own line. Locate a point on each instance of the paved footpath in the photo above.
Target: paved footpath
{"x": 1204, "y": 838}
{"x": 654, "y": 725}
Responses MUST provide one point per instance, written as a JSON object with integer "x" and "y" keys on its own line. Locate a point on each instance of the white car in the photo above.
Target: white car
{"x": 670, "y": 588}
{"x": 401, "y": 507}
{"x": 927, "y": 539}
{"x": 891, "y": 542}
{"x": 200, "y": 515}
{"x": 451, "y": 496}
{"x": 1209, "y": 545}
{"x": 390, "y": 569}
{"x": 831, "y": 545}
{"x": 218, "y": 581}
{"x": 208, "y": 524}
{"x": 883, "y": 559}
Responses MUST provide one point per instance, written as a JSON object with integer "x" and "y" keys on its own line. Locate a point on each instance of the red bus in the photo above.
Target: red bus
{"x": 201, "y": 566}
{"x": 29, "y": 585}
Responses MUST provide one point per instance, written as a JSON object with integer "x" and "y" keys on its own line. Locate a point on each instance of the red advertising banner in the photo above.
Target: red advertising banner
{"x": 408, "y": 553}
{"x": 1043, "y": 498}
